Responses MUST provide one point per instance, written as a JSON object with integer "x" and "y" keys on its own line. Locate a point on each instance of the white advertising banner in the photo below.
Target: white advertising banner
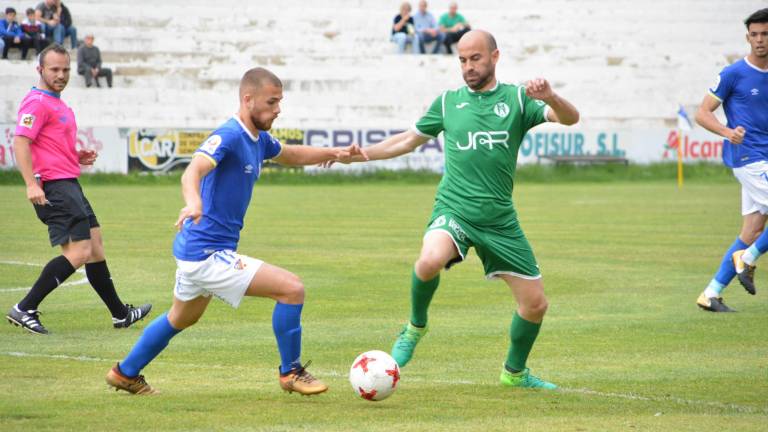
{"x": 110, "y": 143}
{"x": 638, "y": 146}
{"x": 150, "y": 150}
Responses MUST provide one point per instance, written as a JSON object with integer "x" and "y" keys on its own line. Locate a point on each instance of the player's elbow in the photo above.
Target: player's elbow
{"x": 571, "y": 120}
{"x": 700, "y": 115}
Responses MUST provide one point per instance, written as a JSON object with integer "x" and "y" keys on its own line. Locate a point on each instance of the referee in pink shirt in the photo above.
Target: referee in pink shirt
{"x": 47, "y": 157}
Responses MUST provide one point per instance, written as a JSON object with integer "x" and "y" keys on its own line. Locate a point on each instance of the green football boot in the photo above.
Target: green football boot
{"x": 402, "y": 350}
{"x": 524, "y": 379}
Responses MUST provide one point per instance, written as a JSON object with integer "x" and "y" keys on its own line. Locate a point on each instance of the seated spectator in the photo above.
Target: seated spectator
{"x": 89, "y": 63}
{"x": 426, "y": 28}
{"x": 453, "y": 25}
{"x": 11, "y": 34}
{"x": 58, "y": 22}
{"x": 403, "y": 31}
{"x": 34, "y": 31}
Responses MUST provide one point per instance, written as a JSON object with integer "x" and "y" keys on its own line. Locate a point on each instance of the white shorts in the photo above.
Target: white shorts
{"x": 754, "y": 187}
{"x": 225, "y": 274}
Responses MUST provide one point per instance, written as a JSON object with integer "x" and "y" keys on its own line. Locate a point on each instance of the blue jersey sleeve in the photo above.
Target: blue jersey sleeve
{"x": 723, "y": 85}
{"x": 215, "y": 147}
{"x": 272, "y": 146}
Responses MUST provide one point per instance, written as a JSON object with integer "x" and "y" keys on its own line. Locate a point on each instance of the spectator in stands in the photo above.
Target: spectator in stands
{"x": 453, "y": 25}
{"x": 89, "y": 63}
{"x": 11, "y": 34}
{"x": 403, "y": 30}
{"x": 34, "y": 31}
{"x": 426, "y": 28}
{"x": 58, "y": 21}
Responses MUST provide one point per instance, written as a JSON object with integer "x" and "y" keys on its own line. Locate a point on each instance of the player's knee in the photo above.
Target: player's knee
{"x": 78, "y": 256}
{"x": 540, "y": 307}
{"x": 293, "y": 291}
{"x": 536, "y": 308}
{"x": 427, "y": 267}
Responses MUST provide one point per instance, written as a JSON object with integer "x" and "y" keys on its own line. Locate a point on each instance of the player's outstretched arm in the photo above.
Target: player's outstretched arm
{"x": 706, "y": 118}
{"x": 561, "y": 111}
{"x": 295, "y": 155}
{"x": 190, "y": 189}
{"x": 393, "y": 146}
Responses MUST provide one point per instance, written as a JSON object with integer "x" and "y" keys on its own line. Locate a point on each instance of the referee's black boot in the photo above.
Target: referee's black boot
{"x": 28, "y": 320}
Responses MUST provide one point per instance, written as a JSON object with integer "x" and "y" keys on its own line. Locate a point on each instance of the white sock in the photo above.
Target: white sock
{"x": 750, "y": 255}
{"x": 713, "y": 289}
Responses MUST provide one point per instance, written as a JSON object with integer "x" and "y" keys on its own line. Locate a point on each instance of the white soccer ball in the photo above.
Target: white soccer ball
{"x": 374, "y": 375}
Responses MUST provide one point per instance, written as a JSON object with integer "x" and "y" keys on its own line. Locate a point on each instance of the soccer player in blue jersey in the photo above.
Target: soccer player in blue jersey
{"x": 217, "y": 188}
{"x": 742, "y": 89}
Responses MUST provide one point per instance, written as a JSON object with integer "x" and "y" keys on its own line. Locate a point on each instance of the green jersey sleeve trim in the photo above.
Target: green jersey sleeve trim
{"x": 520, "y": 93}
{"x": 442, "y": 103}
{"x": 415, "y": 128}
{"x": 520, "y": 99}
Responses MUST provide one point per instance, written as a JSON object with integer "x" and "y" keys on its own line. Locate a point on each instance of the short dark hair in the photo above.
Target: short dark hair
{"x": 52, "y": 47}
{"x": 30, "y": 11}
{"x": 760, "y": 16}
{"x": 10, "y": 10}
{"x": 256, "y": 77}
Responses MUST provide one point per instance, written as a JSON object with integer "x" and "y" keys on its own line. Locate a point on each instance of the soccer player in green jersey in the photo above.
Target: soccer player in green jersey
{"x": 483, "y": 125}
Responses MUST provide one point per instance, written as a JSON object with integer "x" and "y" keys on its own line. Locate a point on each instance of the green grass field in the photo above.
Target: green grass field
{"x": 623, "y": 264}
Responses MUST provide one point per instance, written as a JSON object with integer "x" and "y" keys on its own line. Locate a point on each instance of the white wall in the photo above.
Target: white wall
{"x": 625, "y": 64}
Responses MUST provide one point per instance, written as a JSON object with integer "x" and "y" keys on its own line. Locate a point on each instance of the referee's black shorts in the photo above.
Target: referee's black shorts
{"x": 69, "y": 215}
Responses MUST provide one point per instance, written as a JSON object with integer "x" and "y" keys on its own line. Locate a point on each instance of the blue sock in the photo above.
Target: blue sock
{"x": 760, "y": 245}
{"x": 154, "y": 339}
{"x": 286, "y": 323}
{"x": 726, "y": 272}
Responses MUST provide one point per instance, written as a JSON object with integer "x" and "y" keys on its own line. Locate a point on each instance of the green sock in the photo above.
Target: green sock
{"x": 522, "y": 334}
{"x": 421, "y": 296}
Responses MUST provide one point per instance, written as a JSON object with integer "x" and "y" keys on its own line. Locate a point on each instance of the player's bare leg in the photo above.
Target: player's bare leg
{"x": 288, "y": 291}
{"x": 532, "y": 305}
{"x": 183, "y": 314}
{"x": 437, "y": 250}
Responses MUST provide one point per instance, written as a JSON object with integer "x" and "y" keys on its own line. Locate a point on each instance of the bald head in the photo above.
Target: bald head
{"x": 254, "y": 79}
{"x": 478, "y": 56}
{"x": 478, "y": 39}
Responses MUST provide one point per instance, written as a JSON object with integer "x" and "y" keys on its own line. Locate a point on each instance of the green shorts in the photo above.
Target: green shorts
{"x": 502, "y": 250}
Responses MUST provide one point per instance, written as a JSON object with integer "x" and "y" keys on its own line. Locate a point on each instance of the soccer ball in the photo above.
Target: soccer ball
{"x": 374, "y": 375}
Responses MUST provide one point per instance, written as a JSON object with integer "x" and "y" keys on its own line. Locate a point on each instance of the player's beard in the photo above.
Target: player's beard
{"x": 55, "y": 85}
{"x": 260, "y": 125}
{"x": 481, "y": 80}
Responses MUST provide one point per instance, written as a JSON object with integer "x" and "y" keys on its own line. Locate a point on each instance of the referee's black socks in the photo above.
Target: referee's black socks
{"x": 101, "y": 281}
{"x": 54, "y": 274}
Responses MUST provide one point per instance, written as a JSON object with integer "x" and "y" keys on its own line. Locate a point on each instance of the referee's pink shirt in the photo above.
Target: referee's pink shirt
{"x": 46, "y": 120}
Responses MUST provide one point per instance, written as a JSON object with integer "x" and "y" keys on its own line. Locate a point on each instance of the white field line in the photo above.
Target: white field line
{"x": 674, "y": 399}
{"x": 626, "y": 396}
{"x": 84, "y": 280}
